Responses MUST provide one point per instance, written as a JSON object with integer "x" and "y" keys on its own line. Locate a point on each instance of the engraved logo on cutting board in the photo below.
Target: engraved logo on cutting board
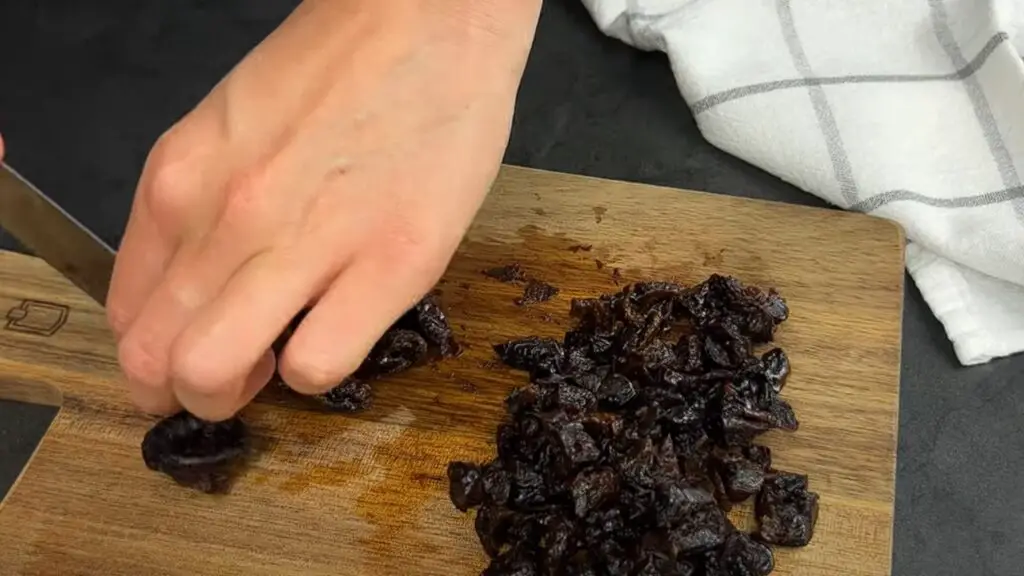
{"x": 37, "y": 317}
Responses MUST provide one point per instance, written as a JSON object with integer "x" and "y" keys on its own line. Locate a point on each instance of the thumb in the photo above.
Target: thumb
{"x": 1, "y": 147}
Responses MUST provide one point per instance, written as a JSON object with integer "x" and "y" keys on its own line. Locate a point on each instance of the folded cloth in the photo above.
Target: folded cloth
{"x": 910, "y": 110}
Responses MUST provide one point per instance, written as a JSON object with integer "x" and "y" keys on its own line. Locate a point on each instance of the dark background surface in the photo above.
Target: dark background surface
{"x": 86, "y": 87}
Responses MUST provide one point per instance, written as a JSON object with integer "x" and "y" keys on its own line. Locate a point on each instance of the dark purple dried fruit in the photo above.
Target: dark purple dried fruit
{"x": 429, "y": 320}
{"x": 742, "y": 556}
{"x": 350, "y": 396}
{"x": 509, "y": 274}
{"x": 195, "y": 453}
{"x": 465, "y": 485}
{"x": 786, "y": 510}
{"x": 536, "y": 355}
{"x": 634, "y": 436}
{"x": 742, "y": 470}
{"x": 536, "y": 292}
{"x": 776, "y": 368}
{"x": 396, "y": 351}
{"x": 592, "y": 489}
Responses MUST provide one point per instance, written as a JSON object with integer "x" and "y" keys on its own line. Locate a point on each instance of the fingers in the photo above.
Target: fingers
{"x": 339, "y": 332}
{"x": 1, "y": 147}
{"x": 220, "y": 361}
{"x": 141, "y": 262}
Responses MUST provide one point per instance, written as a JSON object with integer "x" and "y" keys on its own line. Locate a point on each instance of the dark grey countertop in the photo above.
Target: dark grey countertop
{"x": 84, "y": 91}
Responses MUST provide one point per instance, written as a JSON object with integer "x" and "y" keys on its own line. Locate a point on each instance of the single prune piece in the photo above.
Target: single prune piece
{"x": 776, "y": 368}
{"x": 782, "y": 415}
{"x": 690, "y": 353}
{"x": 350, "y": 396}
{"x": 786, "y": 510}
{"x": 509, "y": 274}
{"x": 637, "y": 464}
{"x": 742, "y": 470}
{"x": 742, "y": 556}
{"x": 434, "y": 326}
{"x": 592, "y": 489}
{"x": 195, "y": 453}
{"x": 528, "y": 488}
{"x": 573, "y": 398}
{"x": 577, "y": 361}
{"x": 577, "y": 445}
{"x": 496, "y": 483}
{"x": 744, "y": 417}
{"x": 492, "y": 526}
{"x": 676, "y": 500}
{"x": 702, "y": 529}
{"x": 465, "y": 487}
{"x": 396, "y": 351}
{"x": 717, "y": 353}
{"x": 533, "y": 354}
{"x": 557, "y": 544}
{"x": 616, "y": 390}
{"x": 525, "y": 398}
{"x": 536, "y": 292}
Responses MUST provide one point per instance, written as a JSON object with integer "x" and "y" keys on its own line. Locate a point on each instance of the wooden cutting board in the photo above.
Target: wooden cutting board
{"x": 366, "y": 494}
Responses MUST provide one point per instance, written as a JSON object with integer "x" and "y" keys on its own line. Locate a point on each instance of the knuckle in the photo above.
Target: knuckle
{"x": 168, "y": 181}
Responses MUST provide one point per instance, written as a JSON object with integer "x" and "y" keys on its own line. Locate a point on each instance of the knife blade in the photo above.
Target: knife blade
{"x": 46, "y": 229}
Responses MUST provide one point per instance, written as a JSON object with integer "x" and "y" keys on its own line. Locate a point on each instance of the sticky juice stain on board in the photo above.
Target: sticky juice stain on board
{"x": 413, "y": 465}
{"x": 599, "y": 212}
{"x": 318, "y": 476}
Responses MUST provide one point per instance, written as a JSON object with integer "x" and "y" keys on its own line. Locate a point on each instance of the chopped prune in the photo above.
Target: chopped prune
{"x": 465, "y": 485}
{"x": 742, "y": 470}
{"x": 533, "y": 354}
{"x": 350, "y": 396}
{"x": 592, "y": 489}
{"x": 509, "y": 274}
{"x": 536, "y": 292}
{"x": 432, "y": 324}
{"x": 742, "y": 556}
{"x": 195, "y": 453}
{"x": 577, "y": 445}
{"x": 635, "y": 436}
{"x": 776, "y": 368}
{"x": 496, "y": 484}
{"x": 786, "y": 510}
{"x": 396, "y": 351}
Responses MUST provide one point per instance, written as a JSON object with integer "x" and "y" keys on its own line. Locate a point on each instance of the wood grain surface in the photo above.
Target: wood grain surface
{"x": 365, "y": 494}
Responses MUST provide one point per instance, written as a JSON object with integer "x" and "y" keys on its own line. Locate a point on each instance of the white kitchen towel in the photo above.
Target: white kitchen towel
{"x": 911, "y": 110}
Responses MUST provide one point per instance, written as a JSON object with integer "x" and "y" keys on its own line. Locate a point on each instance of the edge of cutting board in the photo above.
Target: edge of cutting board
{"x": 35, "y": 391}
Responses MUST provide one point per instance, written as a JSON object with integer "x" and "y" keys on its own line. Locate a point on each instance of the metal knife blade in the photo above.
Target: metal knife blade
{"x": 52, "y": 234}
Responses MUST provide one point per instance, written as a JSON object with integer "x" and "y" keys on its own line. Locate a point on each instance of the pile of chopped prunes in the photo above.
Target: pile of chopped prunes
{"x": 207, "y": 455}
{"x": 636, "y": 436}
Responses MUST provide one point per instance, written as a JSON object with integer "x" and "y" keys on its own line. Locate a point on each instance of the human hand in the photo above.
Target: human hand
{"x": 338, "y": 165}
{"x": 1, "y": 147}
